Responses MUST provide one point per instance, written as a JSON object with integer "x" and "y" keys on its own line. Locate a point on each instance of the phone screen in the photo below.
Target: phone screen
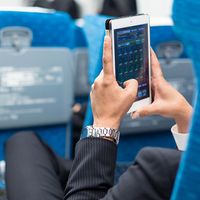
{"x": 131, "y": 57}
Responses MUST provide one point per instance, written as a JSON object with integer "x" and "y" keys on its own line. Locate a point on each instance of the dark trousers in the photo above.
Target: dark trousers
{"x": 33, "y": 171}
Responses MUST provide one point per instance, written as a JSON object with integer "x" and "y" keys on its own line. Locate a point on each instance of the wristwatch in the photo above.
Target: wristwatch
{"x": 101, "y": 132}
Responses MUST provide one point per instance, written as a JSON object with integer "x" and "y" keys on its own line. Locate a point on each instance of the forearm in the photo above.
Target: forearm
{"x": 183, "y": 118}
{"x": 92, "y": 173}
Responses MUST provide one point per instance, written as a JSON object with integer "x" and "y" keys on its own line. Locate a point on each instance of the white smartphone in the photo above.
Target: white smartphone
{"x": 131, "y": 54}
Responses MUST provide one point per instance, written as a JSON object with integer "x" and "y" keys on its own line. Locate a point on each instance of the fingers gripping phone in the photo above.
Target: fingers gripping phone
{"x": 131, "y": 54}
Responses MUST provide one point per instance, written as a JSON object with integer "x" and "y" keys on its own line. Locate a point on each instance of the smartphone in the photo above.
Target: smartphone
{"x": 131, "y": 54}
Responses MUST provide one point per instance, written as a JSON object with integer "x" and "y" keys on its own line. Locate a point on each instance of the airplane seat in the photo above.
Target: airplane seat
{"x": 150, "y": 131}
{"x": 94, "y": 25}
{"x": 82, "y": 87}
{"x": 186, "y": 17}
{"x": 37, "y": 75}
{"x": 164, "y": 26}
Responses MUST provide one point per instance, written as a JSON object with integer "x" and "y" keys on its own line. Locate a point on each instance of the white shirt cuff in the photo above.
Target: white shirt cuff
{"x": 181, "y": 139}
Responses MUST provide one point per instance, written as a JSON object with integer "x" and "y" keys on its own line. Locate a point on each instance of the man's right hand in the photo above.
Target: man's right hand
{"x": 167, "y": 101}
{"x": 109, "y": 101}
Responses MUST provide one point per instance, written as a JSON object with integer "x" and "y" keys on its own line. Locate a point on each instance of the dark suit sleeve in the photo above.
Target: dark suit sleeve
{"x": 150, "y": 177}
{"x": 92, "y": 172}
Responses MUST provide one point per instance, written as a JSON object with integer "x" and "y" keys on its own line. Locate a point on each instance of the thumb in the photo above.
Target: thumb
{"x": 131, "y": 87}
{"x": 145, "y": 111}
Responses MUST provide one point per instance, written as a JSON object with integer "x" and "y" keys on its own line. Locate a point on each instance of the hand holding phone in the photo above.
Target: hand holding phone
{"x": 109, "y": 101}
{"x": 167, "y": 101}
{"x": 131, "y": 54}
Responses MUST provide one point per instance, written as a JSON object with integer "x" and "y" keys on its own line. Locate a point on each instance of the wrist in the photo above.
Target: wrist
{"x": 106, "y": 123}
{"x": 183, "y": 118}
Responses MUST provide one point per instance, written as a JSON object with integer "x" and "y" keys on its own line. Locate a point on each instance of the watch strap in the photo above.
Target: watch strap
{"x": 101, "y": 132}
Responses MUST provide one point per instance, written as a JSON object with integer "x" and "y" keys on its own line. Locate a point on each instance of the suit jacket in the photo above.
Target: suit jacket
{"x": 91, "y": 178}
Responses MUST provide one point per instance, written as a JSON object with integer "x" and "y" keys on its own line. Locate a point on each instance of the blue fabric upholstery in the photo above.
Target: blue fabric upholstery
{"x": 130, "y": 145}
{"x": 94, "y": 29}
{"x": 54, "y": 136}
{"x": 80, "y": 38}
{"x": 49, "y": 30}
{"x": 162, "y": 34}
{"x": 186, "y": 15}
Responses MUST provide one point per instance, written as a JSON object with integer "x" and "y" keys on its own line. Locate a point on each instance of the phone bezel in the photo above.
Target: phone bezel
{"x": 125, "y": 23}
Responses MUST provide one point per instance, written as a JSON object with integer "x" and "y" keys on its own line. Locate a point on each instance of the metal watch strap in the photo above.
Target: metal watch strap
{"x": 101, "y": 132}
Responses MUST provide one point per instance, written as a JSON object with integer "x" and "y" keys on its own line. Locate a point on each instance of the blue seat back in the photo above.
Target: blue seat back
{"x": 164, "y": 34}
{"x": 186, "y": 15}
{"x": 53, "y": 29}
{"x": 94, "y": 31}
